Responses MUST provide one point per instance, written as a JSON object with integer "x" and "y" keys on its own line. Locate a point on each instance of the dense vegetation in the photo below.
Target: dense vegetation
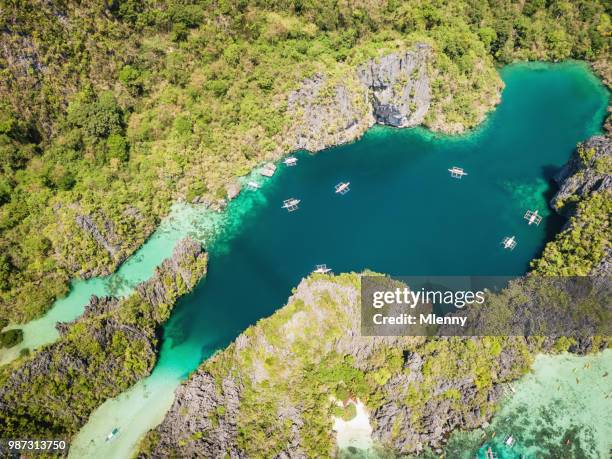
{"x": 51, "y": 393}
{"x": 583, "y": 245}
{"x": 109, "y": 111}
{"x": 577, "y": 250}
{"x": 303, "y": 358}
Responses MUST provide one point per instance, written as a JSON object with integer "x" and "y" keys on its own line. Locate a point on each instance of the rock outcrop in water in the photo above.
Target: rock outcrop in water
{"x": 110, "y": 347}
{"x": 585, "y": 196}
{"x": 392, "y": 90}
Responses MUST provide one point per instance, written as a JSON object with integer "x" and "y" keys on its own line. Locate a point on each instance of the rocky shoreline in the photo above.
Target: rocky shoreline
{"x": 208, "y": 416}
{"x": 393, "y": 90}
{"x": 110, "y": 347}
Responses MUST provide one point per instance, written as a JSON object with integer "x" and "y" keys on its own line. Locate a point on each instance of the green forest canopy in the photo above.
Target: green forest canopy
{"x": 112, "y": 110}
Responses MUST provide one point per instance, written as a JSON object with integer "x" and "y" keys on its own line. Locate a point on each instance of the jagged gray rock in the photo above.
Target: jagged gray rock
{"x": 194, "y": 428}
{"x": 103, "y": 238}
{"x": 90, "y": 374}
{"x": 581, "y": 176}
{"x": 199, "y": 400}
{"x": 392, "y": 90}
{"x": 233, "y": 190}
{"x": 326, "y": 121}
{"x": 586, "y": 173}
{"x": 184, "y": 256}
{"x": 206, "y": 410}
{"x": 398, "y": 86}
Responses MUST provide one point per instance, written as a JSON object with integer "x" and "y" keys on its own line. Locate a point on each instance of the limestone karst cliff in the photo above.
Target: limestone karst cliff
{"x": 269, "y": 392}
{"x": 110, "y": 347}
{"x": 393, "y": 90}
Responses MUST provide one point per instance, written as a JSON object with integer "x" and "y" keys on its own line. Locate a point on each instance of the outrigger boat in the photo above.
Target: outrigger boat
{"x": 509, "y": 242}
{"x": 322, "y": 269}
{"x": 342, "y": 187}
{"x": 112, "y": 434}
{"x": 291, "y": 204}
{"x": 291, "y": 161}
{"x": 457, "y": 172}
{"x": 532, "y": 217}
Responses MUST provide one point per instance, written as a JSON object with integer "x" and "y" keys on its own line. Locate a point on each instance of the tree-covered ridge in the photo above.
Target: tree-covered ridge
{"x": 273, "y": 391}
{"x": 278, "y": 382}
{"x": 112, "y": 110}
{"x": 584, "y": 247}
{"x": 108, "y": 349}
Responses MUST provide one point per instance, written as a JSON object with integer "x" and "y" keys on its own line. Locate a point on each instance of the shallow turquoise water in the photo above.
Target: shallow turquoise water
{"x": 562, "y": 409}
{"x": 139, "y": 267}
{"x": 404, "y": 215}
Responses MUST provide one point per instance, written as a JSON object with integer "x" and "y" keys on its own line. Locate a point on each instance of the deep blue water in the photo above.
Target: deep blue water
{"x": 404, "y": 215}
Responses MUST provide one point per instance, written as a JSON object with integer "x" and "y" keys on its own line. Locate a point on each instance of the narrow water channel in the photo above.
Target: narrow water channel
{"x": 404, "y": 215}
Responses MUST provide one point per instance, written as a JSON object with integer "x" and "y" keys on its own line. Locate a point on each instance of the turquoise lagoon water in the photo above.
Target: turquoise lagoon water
{"x": 404, "y": 215}
{"x": 562, "y": 409}
{"x": 139, "y": 267}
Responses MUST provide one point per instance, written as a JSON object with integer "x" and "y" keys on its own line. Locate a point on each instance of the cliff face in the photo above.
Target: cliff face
{"x": 398, "y": 87}
{"x": 110, "y": 347}
{"x": 392, "y": 90}
{"x": 327, "y": 113}
{"x": 585, "y": 196}
{"x": 269, "y": 394}
{"x": 588, "y": 171}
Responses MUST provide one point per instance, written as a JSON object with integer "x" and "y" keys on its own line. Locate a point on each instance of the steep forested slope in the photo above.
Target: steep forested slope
{"x": 273, "y": 391}
{"x": 109, "y": 111}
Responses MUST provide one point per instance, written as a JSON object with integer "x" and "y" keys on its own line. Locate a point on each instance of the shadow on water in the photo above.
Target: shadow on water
{"x": 554, "y": 223}
{"x": 403, "y": 215}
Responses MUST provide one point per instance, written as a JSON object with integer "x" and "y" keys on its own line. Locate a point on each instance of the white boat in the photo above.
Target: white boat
{"x": 112, "y": 434}
{"x": 509, "y": 441}
{"x": 322, "y": 269}
{"x": 253, "y": 186}
{"x": 291, "y": 204}
{"x": 457, "y": 172}
{"x": 291, "y": 161}
{"x": 342, "y": 187}
{"x": 509, "y": 242}
{"x": 532, "y": 217}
